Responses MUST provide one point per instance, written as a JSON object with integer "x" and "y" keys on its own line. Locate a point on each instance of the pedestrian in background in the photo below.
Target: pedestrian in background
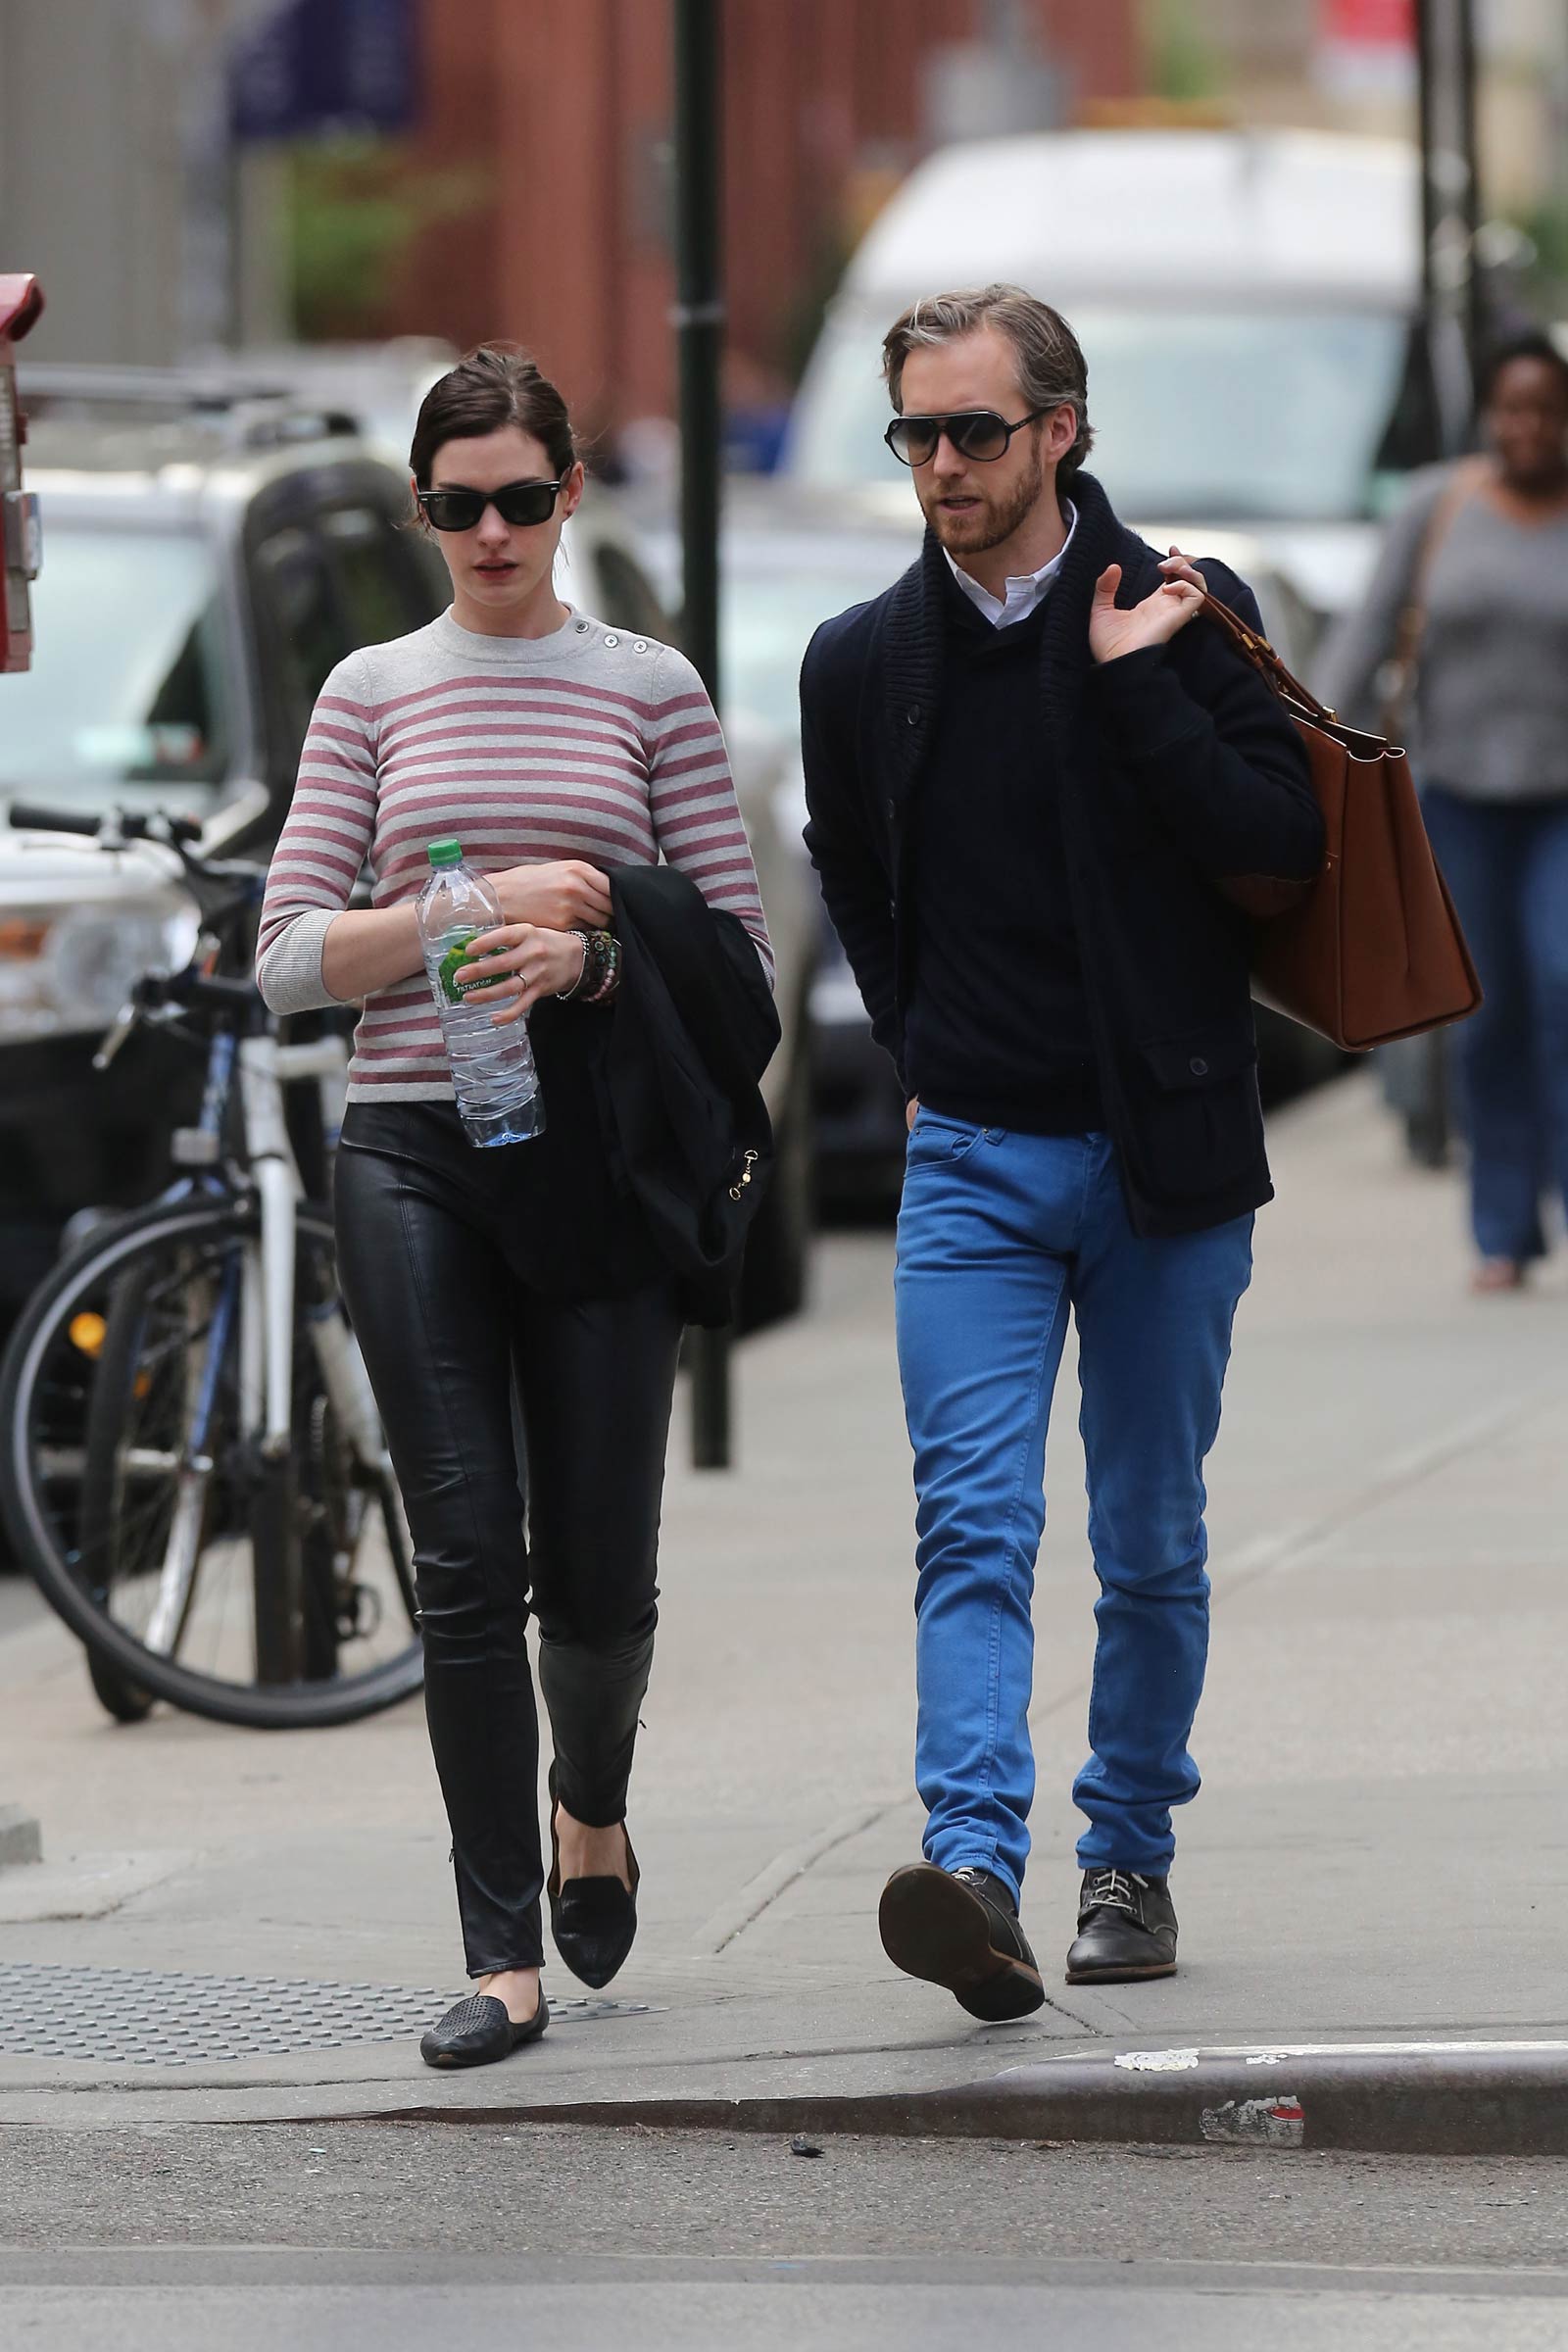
{"x": 556, "y": 750}
{"x": 1027, "y": 776}
{"x": 1461, "y": 649}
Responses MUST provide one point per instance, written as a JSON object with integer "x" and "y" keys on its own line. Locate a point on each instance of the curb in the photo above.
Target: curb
{"x": 1497, "y": 2098}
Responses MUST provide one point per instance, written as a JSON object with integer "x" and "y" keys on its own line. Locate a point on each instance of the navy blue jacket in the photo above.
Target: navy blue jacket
{"x": 1177, "y": 767}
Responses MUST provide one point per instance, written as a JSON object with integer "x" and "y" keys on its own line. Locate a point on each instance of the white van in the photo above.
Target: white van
{"x": 1244, "y": 299}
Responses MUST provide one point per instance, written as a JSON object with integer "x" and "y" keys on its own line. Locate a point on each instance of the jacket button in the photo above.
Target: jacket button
{"x": 889, "y": 809}
{"x": 1199, "y": 1067}
{"x": 912, "y": 717}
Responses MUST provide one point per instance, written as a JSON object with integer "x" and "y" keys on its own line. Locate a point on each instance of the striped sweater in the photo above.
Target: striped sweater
{"x": 584, "y": 744}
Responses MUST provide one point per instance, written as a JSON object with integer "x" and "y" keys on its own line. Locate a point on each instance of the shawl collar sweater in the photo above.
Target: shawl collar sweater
{"x": 1176, "y": 767}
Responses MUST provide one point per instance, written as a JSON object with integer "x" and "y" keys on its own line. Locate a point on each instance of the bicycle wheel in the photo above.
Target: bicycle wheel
{"x": 144, "y": 1507}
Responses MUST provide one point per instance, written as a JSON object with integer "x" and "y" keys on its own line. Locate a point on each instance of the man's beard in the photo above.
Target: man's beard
{"x": 987, "y": 525}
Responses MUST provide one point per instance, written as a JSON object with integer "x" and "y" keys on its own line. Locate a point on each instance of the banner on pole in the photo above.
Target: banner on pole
{"x": 317, "y": 66}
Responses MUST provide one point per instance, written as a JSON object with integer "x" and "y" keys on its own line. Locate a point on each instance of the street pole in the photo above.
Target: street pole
{"x": 699, "y": 321}
{"x": 21, "y": 308}
{"x": 1451, "y": 294}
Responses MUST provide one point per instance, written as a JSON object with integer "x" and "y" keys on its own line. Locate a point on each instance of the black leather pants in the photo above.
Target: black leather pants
{"x": 467, "y": 1355}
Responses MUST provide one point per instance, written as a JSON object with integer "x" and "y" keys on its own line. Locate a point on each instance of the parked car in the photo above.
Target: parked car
{"x": 792, "y": 556}
{"x": 380, "y": 384}
{"x": 210, "y": 553}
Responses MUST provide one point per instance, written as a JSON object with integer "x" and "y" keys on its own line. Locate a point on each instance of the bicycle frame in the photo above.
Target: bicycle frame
{"x": 266, "y": 1308}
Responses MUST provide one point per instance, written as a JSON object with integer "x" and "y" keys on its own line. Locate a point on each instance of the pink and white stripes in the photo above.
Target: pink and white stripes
{"x": 585, "y": 744}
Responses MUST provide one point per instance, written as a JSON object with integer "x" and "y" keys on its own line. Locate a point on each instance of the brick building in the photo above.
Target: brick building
{"x": 565, "y": 106}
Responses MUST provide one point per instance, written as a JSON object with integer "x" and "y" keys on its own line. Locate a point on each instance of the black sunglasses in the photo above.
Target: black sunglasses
{"x": 974, "y": 432}
{"x": 517, "y": 503}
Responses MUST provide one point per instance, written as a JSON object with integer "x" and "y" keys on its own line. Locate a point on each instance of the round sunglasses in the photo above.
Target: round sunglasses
{"x": 974, "y": 432}
{"x": 517, "y": 503}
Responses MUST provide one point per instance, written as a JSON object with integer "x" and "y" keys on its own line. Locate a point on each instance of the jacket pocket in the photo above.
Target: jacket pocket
{"x": 1182, "y": 1063}
{"x": 1198, "y": 1123}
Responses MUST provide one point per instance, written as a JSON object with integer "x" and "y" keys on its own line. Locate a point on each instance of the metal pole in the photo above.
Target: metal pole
{"x": 1451, "y": 319}
{"x": 698, "y": 319}
{"x": 1452, "y": 293}
{"x": 1465, "y": 78}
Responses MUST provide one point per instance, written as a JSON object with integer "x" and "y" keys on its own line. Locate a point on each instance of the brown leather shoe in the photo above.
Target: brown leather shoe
{"x": 959, "y": 1928}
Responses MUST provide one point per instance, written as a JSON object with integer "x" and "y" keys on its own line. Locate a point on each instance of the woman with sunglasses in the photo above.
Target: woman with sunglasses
{"x": 552, "y": 748}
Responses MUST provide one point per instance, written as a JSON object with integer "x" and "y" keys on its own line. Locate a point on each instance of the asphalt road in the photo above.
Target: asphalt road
{"x": 262, "y": 2304}
{"x": 387, "y": 2237}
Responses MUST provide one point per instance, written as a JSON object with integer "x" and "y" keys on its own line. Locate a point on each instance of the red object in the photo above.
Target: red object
{"x": 1369, "y": 24}
{"x": 20, "y": 307}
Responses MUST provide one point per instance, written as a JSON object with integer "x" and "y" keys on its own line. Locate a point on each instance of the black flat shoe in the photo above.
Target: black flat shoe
{"x": 594, "y": 1920}
{"x": 478, "y": 2031}
{"x": 959, "y": 1929}
{"x": 1126, "y": 1930}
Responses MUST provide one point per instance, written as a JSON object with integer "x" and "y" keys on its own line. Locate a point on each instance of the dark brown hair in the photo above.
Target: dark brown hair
{"x": 1051, "y": 370}
{"x": 494, "y": 385}
{"x": 1529, "y": 343}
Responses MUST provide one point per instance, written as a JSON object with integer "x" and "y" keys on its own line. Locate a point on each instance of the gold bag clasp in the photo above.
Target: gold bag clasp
{"x": 745, "y": 1177}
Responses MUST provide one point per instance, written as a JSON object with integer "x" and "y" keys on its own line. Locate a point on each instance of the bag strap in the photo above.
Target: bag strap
{"x": 1410, "y": 629}
{"x": 1261, "y": 654}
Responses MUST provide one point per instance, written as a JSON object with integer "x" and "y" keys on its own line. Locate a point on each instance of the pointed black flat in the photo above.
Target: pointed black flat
{"x": 478, "y": 2030}
{"x": 594, "y": 1920}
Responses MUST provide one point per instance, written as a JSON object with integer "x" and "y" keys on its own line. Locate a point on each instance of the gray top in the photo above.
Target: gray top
{"x": 1489, "y": 717}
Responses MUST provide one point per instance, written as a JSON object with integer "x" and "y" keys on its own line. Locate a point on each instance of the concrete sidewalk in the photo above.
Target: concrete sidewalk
{"x": 1379, "y": 1856}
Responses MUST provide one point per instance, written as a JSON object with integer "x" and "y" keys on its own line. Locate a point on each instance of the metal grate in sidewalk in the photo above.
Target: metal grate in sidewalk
{"x": 154, "y": 2016}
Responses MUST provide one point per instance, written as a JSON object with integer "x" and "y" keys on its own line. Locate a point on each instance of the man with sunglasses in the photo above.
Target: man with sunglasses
{"x": 1027, "y": 776}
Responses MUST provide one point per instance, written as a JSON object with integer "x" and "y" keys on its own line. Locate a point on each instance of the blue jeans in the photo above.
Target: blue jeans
{"x": 1507, "y": 867}
{"x": 999, "y": 1235}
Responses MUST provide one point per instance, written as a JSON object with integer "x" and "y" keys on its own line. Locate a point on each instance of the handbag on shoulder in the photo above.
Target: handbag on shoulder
{"x": 1371, "y": 950}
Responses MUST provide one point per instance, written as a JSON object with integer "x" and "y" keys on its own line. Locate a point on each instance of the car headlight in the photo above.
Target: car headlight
{"x": 64, "y": 969}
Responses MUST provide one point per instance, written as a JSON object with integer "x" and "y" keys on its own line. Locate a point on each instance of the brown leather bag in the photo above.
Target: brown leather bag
{"x": 1372, "y": 948}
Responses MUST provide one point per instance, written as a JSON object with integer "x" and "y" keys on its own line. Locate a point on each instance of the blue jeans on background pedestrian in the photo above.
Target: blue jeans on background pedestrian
{"x": 1000, "y": 1235}
{"x": 1506, "y": 863}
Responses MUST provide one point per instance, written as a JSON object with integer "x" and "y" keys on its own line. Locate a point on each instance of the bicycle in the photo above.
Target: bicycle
{"x": 184, "y": 1413}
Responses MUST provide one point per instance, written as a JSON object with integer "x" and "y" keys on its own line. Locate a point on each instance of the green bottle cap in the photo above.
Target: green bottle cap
{"x": 444, "y": 853}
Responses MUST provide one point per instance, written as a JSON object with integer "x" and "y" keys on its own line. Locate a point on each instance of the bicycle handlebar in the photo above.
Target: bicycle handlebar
{"x": 173, "y": 992}
{"x": 155, "y": 990}
{"x": 30, "y": 816}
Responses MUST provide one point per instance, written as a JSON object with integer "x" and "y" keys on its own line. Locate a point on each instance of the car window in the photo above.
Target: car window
{"x": 626, "y": 595}
{"x": 384, "y": 593}
{"x": 309, "y": 630}
{"x": 131, "y": 681}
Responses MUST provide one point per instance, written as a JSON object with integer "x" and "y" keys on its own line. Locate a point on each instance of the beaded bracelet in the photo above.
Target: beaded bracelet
{"x": 599, "y": 976}
{"x": 609, "y": 976}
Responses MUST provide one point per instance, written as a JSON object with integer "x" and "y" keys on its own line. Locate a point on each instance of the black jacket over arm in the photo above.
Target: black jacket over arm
{"x": 694, "y": 1029}
{"x": 1177, "y": 767}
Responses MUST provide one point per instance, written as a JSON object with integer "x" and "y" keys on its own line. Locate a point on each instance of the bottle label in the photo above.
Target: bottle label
{"x": 452, "y": 956}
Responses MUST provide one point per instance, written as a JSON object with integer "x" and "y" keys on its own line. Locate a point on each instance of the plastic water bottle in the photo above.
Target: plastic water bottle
{"x": 493, "y": 1071}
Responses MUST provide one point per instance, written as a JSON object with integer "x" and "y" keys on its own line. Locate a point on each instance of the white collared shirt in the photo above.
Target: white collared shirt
{"x": 1026, "y": 589}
